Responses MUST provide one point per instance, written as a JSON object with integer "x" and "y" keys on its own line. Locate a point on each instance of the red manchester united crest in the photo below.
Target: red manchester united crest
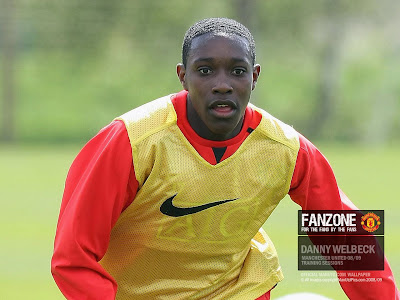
{"x": 370, "y": 222}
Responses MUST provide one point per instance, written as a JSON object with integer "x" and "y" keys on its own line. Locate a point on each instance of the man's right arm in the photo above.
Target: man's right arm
{"x": 100, "y": 184}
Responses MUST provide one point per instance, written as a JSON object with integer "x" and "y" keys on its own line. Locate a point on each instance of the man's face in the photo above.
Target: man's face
{"x": 219, "y": 77}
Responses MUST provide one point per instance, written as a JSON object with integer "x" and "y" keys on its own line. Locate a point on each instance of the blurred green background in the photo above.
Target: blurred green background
{"x": 329, "y": 68}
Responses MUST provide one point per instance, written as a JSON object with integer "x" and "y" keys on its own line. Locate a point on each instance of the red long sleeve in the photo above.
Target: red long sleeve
{"x": 314, "y": 187}
{"x": 99, "y": 185}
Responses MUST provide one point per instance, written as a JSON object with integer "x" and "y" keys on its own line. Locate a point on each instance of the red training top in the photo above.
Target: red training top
{"x": 101, "y": 183}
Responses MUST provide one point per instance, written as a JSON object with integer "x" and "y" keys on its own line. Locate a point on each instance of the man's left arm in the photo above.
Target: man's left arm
{"x": 314, "y": 187}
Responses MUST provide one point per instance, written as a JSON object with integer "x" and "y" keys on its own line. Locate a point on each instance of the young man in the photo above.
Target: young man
{"x": 167, "y": 202}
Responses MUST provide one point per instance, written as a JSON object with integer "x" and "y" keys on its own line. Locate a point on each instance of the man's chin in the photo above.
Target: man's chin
{"x": 224, "y": 132}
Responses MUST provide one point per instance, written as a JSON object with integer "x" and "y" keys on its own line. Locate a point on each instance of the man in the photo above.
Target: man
{"x": 167, "y": 202}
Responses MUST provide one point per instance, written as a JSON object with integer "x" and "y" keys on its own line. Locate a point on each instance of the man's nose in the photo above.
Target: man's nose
{"x": 222, "y": 84}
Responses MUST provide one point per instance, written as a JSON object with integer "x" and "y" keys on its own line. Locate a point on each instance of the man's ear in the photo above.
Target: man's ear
{"x": 181, "y": 72}
{"x": 256, "y": 73}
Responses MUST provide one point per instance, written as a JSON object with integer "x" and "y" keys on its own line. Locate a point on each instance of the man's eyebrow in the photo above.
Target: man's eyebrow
{"x": 239, "y": 59}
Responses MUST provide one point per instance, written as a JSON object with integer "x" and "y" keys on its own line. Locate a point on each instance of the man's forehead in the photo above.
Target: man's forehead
{"x": 231, "y": 39}
{"x": 211, "y": 36}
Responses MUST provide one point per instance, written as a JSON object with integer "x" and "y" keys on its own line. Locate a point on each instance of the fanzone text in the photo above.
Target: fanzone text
{"x": 328, "y": 219}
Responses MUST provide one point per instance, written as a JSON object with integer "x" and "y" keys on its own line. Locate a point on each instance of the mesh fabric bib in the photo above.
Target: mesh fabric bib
{"x": 193, "y": 230}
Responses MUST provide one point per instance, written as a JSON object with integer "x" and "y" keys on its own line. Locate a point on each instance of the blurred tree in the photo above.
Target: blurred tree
{"x": 8, "y": 43}
{"x": 329, "y": 66}
{"x": 318, "y": 59}
{"x": 75, "y": 27}
{"x": 244, "y": 11}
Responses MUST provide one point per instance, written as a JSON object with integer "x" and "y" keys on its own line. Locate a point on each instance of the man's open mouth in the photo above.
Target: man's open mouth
{"x": 223, "y": 109}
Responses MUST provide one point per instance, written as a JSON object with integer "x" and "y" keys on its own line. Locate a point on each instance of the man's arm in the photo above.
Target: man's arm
{"x": 99, "y": 186}
{"x": 314, "y": 187}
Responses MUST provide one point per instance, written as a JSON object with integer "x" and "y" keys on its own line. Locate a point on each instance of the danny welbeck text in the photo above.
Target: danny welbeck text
{"x": 338, "y": 249}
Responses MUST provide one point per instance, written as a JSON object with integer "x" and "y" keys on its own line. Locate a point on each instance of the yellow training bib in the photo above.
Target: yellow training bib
{"x": 193, "y": 230}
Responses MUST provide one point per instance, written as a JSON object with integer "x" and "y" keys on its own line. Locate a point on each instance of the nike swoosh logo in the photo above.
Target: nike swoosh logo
{"x": 169, "y": 209}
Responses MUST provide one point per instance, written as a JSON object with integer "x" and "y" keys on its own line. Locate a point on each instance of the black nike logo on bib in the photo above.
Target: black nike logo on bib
{"x": 169, "y": 209}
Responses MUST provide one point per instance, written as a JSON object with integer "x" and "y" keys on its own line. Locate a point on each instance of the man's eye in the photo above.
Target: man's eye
{"x": 204, "y": 70}
{"x": 238, "y": 71}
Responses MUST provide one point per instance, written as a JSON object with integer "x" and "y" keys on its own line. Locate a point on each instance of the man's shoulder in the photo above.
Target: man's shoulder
{"x": 277, "y": 130}
{"x": 149, "y": 117}
{"x": 148, "y": 109}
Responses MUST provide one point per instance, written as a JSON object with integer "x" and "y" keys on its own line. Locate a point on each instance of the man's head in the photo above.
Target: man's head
{"x": 219, "y": 73}
{"x": 217, "y": 26}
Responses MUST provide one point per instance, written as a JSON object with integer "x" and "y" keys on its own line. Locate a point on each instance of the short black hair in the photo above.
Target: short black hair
{"x": 217, "y": 25}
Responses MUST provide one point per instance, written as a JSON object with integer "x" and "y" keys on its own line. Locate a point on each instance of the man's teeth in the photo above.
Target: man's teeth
{"x": 222, "y": 105}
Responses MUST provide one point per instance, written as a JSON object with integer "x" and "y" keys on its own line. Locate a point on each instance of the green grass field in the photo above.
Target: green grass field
{"x": 31, "y": 185}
